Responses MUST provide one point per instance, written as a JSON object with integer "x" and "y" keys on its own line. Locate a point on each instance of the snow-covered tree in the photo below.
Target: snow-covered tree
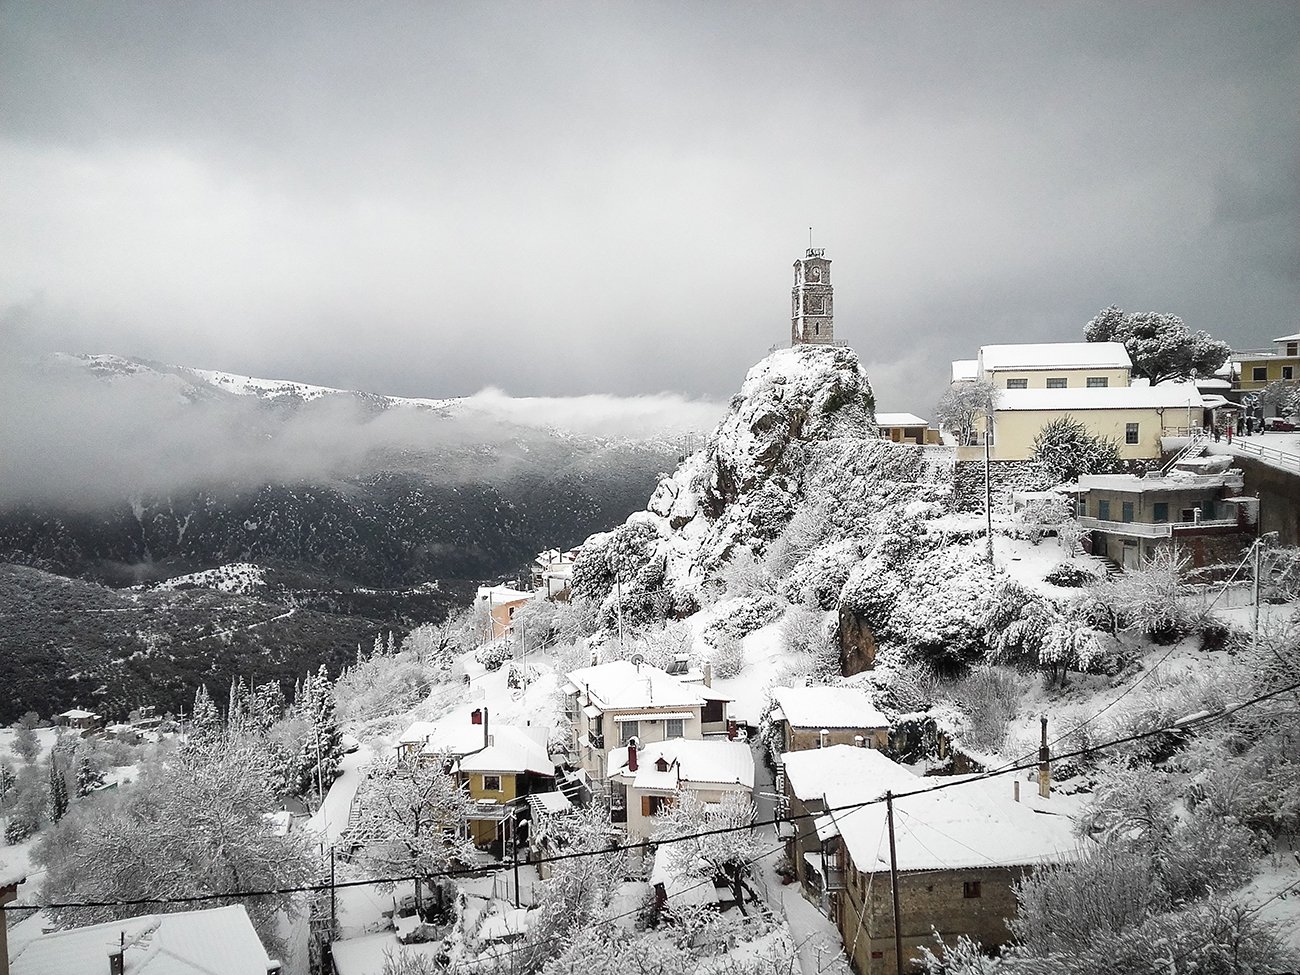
{"x": 1149, "y": 599}
{"x": 962, "y": 404}
{"x": 205, "y": 721}
{"x": 726, "y": 854}
{"x": 192, "y": 824}
{"x": 89, "y": 778}
{"x": 1066, "y": 450}
{"x": 1161, "y": 345}
{"x": 7, "y": 782}
{"x": 412, "y": 819}
{"x": 26, "y": 744}
{"x": 323, "y": 749}
{"x": 58, "y": 794}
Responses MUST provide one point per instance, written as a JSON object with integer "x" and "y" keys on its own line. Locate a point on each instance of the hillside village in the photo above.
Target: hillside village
{"x": 1014, "y": 691}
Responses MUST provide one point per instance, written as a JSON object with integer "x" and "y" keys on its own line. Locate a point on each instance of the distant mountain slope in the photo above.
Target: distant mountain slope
{"x": 127, "y": 470}
{"x": 66, "y": 642}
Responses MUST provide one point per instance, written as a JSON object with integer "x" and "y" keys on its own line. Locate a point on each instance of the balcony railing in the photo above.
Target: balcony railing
{"x": 1164, "y": 529}
{"x": 595, "y": 741}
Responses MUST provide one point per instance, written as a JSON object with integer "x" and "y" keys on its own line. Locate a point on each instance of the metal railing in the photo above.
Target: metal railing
{"x": 1163, "y": 529}
{"x": 1269, "y": 455}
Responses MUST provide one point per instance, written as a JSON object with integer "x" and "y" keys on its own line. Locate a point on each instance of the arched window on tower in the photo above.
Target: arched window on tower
{"x": 817, "y": 329}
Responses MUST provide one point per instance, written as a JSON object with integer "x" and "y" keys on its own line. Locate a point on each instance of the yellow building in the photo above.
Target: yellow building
{"x": 906, "y": 428}
{"x": 1135, "y": 417}
{"x": 1255, "y": 370}
{"x": 499, "y": 777}
{"x": 1055, "y": 365}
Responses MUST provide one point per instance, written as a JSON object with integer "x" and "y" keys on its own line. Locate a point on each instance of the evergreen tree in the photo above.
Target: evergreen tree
{"x": 7, "y": 780}
{"x": 1161, "y": 345}
{"x": 205, "y": 722}
{"x": 58, "y": 795}
{"x": 1067, "y": 450}
{"x": 88, "y": 777}
{"x": 323, "y": 745}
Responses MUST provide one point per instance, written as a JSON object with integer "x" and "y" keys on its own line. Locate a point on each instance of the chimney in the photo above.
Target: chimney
{"x": 487, "y": 739}
{"x": 708, "y": 674}
{"x": 631, "y": 755}
{"x": 822, "y": 737}
{"x": 732, "y": 729}
{"x": 859, "y": 741}
{"x": 1015, "y": 791}
{"x": 1044, "y": 765}
{"x": 476, "y": 716}
{"x": 116, "y": 953}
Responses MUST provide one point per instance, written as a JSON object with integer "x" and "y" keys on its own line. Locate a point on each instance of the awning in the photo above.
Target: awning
{"x": 592, "y": 711}
{"x": 655, "y": 716}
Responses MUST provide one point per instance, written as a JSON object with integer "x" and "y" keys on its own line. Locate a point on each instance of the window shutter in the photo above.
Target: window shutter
{"x": 645, "y": 806}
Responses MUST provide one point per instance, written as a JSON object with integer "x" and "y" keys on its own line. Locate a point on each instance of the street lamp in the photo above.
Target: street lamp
{"x": 987, "y": 416}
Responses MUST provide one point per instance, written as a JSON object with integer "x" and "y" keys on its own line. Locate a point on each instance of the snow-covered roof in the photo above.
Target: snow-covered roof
{"x": 418, "y": 733}
{"x": 1136, "y": 397}
{"x": 73, "y": 714}
{"x": 844, "y": 774}
{"x": 500, "y": 595}
{"x": 900, "y": 420}
{"x": 1293, "y": 337}
{"x": 511, "y": 922}
{"x": 693, "y": 761}
{"x": 512, "y": 750}
{"x": 962, "y": 827}
{"x": 216, "y": 941}
{"x": 622, "y": 685}
{"x": 828, "y": 707}
{"x": 965, "y": 369}
{"x": 551, "y": 802}
{"x": 1175, "y": 481}
{"x": 1055, "y": 355}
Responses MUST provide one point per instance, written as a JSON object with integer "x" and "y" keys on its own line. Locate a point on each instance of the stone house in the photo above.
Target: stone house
{"x": 815, "y": 717}
{"x": 906, "y": 428}
{"x": 79, "y": 719}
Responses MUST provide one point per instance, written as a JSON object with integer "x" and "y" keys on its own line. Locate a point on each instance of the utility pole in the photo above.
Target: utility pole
{"x": 333, "y": 906}
{"x": 1255, "y": 625}
{"x": 618, "y": 595}
{"x": 893, "y": 884}
{"x": 988, "y": 488}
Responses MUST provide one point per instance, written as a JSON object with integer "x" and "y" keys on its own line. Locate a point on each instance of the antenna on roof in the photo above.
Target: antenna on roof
{"x": 810, "y": 238}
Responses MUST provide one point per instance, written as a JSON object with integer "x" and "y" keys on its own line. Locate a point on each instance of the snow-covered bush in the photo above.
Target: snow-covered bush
{"x": 989, "y": 698}
{"x": 740, "y": 617}
{"x": 493, "y": 655}
{"x": 805, "y": 634}
{"x": 1072, "y": 575}
{"x": 728, "y": 655}
{"x": 1066, "y": 450}
{"x": 1150, "y": 599}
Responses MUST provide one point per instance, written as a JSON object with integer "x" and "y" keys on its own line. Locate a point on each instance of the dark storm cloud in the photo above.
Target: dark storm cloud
{"x": 426, "y": 199}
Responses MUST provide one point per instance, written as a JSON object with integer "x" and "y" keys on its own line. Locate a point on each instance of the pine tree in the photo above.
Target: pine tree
{"x": 323, "y": 746}
{"x": 205, "y": 726}
{"x": 58, "y": 796}
{"x": 7, "y": 780}
{"x": 88, "y": 778}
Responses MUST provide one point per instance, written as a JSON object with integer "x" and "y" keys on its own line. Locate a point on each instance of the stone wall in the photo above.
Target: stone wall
{"x": 1005, "y": 476}
{"x": 1279, "y": 498}
{"x": 930, "y": 898}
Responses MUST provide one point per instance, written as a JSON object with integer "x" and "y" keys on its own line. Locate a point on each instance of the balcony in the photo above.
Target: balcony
{"x": 1163, "y": 529}
{"x": 596, "y": 741}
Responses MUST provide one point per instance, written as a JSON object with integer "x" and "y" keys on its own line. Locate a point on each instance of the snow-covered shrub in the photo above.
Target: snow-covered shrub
{"x": 664, "y": 645}
{"x": 1072, "y": 575}
{"x": 536, "y": 624}
{"x": 493, "y": 655}
{"x": 21, "y": 826}
{"x": 1158, "y": 704}
{"x": 820, "y": 577}
{"x": 805, "y": 634}
{"x": 728, "y": 656}
{"x": 745, "y": 574}
{"x": 1150, "y": 599}
{"x": 1066, "y": 450}
{"x": 741, "y": 617}
{"x": 990, "y": 698}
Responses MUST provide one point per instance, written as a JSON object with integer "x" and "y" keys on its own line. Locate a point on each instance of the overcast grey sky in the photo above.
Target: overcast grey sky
{"x": 426, "y": 199}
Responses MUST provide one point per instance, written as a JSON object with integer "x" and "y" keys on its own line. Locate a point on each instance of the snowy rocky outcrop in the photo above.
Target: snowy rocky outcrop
{"x": 796, "y": 481}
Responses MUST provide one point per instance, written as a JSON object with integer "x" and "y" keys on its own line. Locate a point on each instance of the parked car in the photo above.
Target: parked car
{"x": 1279, "y": 425}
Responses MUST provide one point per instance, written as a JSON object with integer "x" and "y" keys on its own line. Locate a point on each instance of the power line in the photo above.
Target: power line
{"x": 651, "y": 844}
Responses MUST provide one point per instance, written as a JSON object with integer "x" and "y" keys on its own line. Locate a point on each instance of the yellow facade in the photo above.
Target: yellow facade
{"x": 484, "y": 831}
{"x": 1075, "y": 377}
{"x": 1014, "y": 430}
{"x": 1274, "y": 368}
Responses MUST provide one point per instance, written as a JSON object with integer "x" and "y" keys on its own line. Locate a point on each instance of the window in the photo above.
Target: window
{"x": 1293, "y": 348}
{"x": 970, "y": 888}
{"x": 1098, "y": 382}
{"x": 628, "y": 730}
{"x": 1161, "y": 511}
{"x": 1188, "y": 514}
{"x": 1103, "y": 510}
{"x": 1056, "y": 382}
{"x": 1259, "y": 374}
{"x": 491, "y": 783}
{"x": 1207, "y": 509}
{"x": 1288, "y": 372}
{"x": 1126, "y": 508}
{"x": 673, "y": 728}
{"x": 653, "y": 805}
{"x": 1017, "y": 384}
{"x": 1130, "y": 433}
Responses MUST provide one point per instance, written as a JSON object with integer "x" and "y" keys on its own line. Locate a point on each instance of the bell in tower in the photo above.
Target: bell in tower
{"x": 811, "y": 301}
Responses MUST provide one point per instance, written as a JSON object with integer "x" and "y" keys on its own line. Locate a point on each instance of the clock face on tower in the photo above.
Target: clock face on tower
{"x": 816, "y": 274}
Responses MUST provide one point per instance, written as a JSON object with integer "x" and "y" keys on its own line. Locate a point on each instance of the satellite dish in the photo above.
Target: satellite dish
{"x": 638, "y": 659}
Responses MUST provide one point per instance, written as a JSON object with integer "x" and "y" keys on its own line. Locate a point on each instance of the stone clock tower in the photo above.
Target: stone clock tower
{"x": 812, "y": 310}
